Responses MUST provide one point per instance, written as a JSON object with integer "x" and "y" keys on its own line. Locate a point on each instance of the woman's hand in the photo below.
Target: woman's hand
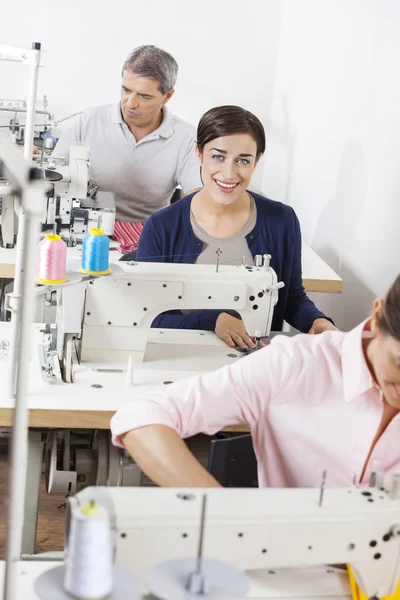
{"x": 233, "y": 332}
{"x": 320, "y": 325}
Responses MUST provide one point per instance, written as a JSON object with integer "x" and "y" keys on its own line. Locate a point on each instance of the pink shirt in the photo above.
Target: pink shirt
{"x": 309, "y": 401}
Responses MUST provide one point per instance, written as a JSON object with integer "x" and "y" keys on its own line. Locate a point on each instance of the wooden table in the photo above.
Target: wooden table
{"x": 58, "y": 418}
{"x": 317, "y": 277}
{"x": 81, "y": 406}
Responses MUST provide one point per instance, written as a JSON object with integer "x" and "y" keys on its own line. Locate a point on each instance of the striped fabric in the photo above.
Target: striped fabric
{"x": 127, "y": 234}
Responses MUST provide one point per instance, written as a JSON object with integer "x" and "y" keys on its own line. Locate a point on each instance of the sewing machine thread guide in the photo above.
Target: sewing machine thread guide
{"x": 218, "y": 252}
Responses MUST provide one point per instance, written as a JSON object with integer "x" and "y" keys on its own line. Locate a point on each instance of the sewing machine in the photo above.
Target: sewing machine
{"x": 108, "y": 319}
{"x": 72, "y": 207}
{"x": 102, "y": 338}
{"x": 264, "y": 532}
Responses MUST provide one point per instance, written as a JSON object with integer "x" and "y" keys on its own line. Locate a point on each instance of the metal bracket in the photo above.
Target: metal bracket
{"x": 49, "y": 364}
{"x": 16, "y": 54}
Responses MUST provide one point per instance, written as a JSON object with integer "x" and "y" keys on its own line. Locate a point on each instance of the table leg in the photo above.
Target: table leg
{"x": 32, "y": 491}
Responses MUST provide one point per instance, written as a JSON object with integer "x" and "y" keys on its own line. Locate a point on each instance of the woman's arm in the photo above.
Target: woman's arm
{"x": 165, "y": 458}
{"x": 199, "y": 319}
{"x": 300, "y": 311}
{"x": 151, "y": 425}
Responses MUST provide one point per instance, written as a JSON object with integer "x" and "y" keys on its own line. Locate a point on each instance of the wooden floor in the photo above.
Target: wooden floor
{"x": 51, "y": 519}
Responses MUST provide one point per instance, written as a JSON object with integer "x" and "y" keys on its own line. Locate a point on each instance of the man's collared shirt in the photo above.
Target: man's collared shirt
{"x": 143, "y": 175}
{"x": 310, "y": 402}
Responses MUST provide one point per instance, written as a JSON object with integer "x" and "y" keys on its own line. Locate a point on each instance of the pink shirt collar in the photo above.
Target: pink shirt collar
{"x": 357, "y": 377}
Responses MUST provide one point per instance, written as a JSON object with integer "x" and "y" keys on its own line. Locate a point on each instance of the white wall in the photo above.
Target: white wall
{"x": 334, "y": 141}
{"x": 226, "y": 50}
{"x": 321, "y": 74}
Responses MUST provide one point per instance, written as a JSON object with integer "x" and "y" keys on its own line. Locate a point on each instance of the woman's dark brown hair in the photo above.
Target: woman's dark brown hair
{"x": 389, "y": 318}
{"x": 228, "y": 120}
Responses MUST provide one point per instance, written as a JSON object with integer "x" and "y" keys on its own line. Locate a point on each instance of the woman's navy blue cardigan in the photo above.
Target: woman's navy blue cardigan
{"x": 168, "y": 237}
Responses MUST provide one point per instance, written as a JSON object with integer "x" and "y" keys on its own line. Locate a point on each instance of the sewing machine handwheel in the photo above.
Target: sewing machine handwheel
{"x": 48, "y": 174}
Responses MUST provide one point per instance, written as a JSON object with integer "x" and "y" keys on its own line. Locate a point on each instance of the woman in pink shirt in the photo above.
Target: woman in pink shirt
{"x": 312, "y": 403}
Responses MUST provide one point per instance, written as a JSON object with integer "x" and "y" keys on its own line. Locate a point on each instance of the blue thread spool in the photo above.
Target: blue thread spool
{"x": 95, "y": 249}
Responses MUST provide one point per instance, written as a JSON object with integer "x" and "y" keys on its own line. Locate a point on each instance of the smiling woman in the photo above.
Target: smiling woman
{"x": 233, "y": 138}
{"x": 228, "y": 149}
{"x": 225, "y": 215}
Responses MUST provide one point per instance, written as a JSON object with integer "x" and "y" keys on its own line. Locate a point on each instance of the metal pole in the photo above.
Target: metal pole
{"x": 322, "y": 488}
{"x": 18, "y": 278}
{"x": 32, "y": 201}
{"x": 201, "y": 537}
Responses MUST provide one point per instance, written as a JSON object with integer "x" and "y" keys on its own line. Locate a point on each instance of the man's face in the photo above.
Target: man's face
{"x": 141, "y": 100}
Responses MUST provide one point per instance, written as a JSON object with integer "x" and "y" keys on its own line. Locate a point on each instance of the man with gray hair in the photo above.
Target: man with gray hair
{"x": 139, "y": 150}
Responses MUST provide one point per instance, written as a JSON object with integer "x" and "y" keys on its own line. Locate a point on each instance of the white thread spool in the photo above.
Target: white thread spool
{"x": 89, "y": 560}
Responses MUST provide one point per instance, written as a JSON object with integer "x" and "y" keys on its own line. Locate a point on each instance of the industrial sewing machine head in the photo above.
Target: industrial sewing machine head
{"x": 261, "y": 531}
{"x": 109, "y": 318}
{"x": 72, "y": 207}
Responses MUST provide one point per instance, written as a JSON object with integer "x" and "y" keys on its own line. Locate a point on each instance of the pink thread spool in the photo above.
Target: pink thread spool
{"x": 52, "y": 260}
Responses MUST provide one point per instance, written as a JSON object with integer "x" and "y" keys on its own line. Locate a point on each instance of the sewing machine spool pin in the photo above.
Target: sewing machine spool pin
{"x": 197, "y": 582}
{"x": 267, "y": 259}
{"x": 322, "y": 488}
{"x": 207, "y": 577}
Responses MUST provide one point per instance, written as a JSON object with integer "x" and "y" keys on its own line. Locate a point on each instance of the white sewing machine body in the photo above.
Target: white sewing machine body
{"x": 111, "y": 316}
{"x": 99, "y": 361}
{"x": 258, "y": 529}
{"x": 71, "y": 208}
